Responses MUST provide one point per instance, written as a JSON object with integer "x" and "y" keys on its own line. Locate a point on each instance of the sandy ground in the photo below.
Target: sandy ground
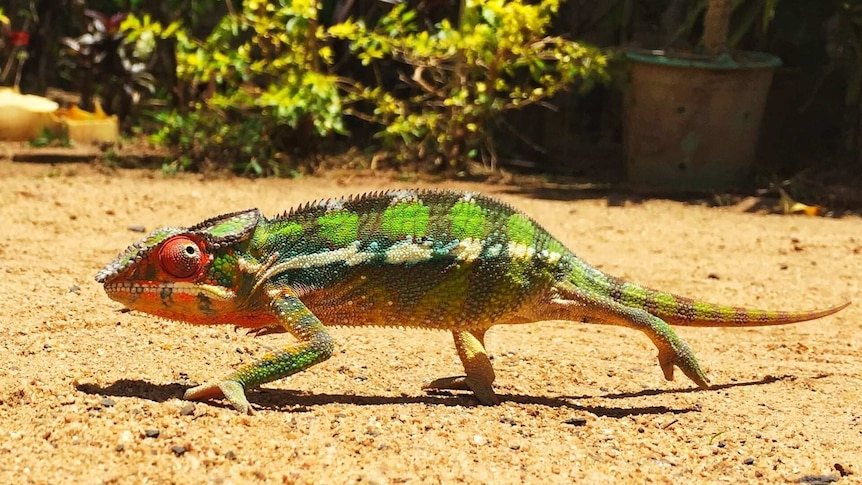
{"x": 92, "y": 394}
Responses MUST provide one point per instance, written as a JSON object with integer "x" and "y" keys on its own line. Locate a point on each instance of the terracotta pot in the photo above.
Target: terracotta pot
{"x": 692, "y": 122}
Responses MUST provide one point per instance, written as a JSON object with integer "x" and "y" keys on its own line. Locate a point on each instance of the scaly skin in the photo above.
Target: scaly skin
{"x": 453, "y": 261}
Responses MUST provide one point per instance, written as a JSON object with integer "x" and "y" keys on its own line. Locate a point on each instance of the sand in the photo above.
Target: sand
{"x": 90, "y": 393}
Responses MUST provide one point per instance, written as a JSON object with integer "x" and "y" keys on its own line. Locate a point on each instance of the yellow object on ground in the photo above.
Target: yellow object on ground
{"x": 24, "y": 116}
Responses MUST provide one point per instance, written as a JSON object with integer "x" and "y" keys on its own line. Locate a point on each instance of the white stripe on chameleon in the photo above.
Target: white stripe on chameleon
{"x": 350, "y": 255}
{"x": 468, "y": 249}
{"x": 408, "y": 252}
{"x": 520, "y": 251}
{"x": 552, "y": 257}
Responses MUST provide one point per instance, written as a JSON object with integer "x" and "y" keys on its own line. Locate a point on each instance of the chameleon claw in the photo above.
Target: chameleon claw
{"x": 684, "y": 359}
{"x": 454, "y": 383}
{"x": 267, "y": 330}
{"x": 697, "y": 376}
{"x": 230, "y": 390}
{"x": 484, "y": 392}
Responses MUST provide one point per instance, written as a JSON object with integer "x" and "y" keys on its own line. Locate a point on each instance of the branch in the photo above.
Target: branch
{"x": 716, "y": 23}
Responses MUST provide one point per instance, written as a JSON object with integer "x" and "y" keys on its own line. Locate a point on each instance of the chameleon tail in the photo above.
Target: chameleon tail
{"x": 679, "y": 310}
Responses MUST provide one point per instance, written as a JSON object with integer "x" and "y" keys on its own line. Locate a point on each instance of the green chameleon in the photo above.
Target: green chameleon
{"x": 456, "y": 261}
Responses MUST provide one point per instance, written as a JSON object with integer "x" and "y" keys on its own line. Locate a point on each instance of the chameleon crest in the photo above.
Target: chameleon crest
{"x": 455, "y": 261}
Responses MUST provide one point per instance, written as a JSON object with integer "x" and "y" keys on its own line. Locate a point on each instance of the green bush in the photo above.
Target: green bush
{"x": 267, "y": 86}
{"x": 464, "y": 77}
{"x": 263, "y": 89}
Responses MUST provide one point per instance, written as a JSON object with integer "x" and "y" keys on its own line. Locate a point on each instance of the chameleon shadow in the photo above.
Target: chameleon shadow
{"x": 298, "y": 401}
{"x": 714, "y": 387}
{"x": 135, "y": 388}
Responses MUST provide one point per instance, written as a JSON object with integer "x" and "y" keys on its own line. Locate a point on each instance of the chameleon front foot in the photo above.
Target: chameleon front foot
{"x": 483, "y": 391}
{"x": 230, "y": 390}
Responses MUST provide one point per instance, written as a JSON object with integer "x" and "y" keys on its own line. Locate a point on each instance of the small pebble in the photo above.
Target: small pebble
{"x": 508, "y": 420}
{"x": 74, "y": 289}
{"x": 841, "y": 470}
{"x": 820, "y": 479}
{"x": 151, "y": 433}
{"x": 137, "y": 228}
{"x": 187, "y": 410}
{"x": 178, "y": 450}
{"x": 230, "y": 455}
{"x": 749, "y": 461}
{"x": 106, "y": 402}
{"x": 576, "y": 421}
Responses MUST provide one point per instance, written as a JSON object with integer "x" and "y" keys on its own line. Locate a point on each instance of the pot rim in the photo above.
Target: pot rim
{"x": 726, "y": 61}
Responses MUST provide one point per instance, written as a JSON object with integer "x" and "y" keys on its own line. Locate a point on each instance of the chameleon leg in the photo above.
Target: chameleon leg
{"x": 576, "y": 304}
{"x": 314, "y": 346}
{"x": 480, "y": 375}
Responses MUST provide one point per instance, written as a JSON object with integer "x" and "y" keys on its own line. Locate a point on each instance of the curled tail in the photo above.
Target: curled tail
{"x": 679, "y": 310}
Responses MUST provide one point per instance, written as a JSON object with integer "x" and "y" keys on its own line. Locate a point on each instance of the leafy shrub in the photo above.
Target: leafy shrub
{"x": 463, "y": 77}
{"x": 255, "y": 86}
{"x": 261, "y": 83}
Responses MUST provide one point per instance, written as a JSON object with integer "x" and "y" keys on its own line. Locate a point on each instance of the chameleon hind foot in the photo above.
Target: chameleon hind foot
{"x": 680, "y": 355}
{"x": 470, "y": 345}
{"x": 230, "y": 390}
{"x": 482, "y": 390}
{"x": 575, "y": 304}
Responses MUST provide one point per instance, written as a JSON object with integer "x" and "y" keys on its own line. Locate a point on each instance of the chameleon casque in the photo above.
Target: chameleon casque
{"x": 447, "y": 260}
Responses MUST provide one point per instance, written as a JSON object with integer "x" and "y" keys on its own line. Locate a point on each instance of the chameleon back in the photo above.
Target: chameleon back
{"x": 412, "y": 258}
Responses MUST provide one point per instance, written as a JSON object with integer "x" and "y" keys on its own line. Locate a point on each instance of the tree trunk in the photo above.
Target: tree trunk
{"x": 716, "y": 23}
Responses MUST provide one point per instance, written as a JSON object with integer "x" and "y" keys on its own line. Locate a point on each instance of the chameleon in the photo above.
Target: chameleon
{"x": 430, "y": 259}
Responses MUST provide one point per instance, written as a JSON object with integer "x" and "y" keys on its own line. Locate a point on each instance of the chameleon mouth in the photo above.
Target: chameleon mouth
{"x": 182, "y": 301}
{"x": 161, "y": 288}
{"x": 166, "y": 290}
{"x": 130, "y": 288}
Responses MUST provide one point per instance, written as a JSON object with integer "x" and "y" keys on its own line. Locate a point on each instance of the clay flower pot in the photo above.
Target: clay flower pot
{"x": 692, "y": 122}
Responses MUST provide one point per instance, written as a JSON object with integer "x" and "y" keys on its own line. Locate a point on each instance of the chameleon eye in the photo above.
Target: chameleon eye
{"x": 181, "y": 257}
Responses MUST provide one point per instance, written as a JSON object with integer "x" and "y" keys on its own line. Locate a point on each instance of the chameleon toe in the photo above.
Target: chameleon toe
{"x": 483, "y": 391}
{"x": 230, "y": 390}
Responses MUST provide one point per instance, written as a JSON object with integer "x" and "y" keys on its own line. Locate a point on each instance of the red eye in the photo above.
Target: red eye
{"x": 181, "y": 257}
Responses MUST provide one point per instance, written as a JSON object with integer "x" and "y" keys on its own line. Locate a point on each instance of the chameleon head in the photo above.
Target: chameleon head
{"x": 184, "y": 274}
